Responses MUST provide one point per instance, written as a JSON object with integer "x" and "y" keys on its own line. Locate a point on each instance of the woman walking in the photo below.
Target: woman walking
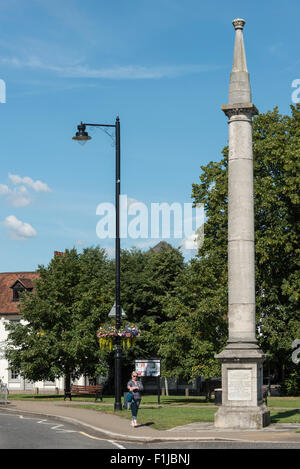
{"x": 136, "y": 388}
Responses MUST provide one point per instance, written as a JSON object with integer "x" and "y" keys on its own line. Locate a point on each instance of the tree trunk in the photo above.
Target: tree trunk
{"x": 166, "y": 386}
{"x": 207, "y": 389}
{"x": 67, "y": 382}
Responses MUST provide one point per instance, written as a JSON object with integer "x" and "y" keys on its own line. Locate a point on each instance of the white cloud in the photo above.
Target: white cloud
{"x": 129, "y": 72}
{"x": 4, "y": 190}
{"x": 37, "y": 186}
{"x": 19, "y": 197}
{"x": 121, "y": 72}
{"x": 17, "y": 229}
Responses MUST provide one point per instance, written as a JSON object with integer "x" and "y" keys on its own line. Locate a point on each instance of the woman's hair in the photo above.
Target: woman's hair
{"x": 133, "y": 372}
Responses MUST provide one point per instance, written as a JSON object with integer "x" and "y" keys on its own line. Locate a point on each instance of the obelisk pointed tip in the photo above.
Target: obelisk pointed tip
{"x": 239, "y": 56}
{"x": 239, "y": 88}
{"x": 238, "y": 23}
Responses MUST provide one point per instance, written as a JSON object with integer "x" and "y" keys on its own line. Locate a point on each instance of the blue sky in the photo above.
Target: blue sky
{"x": 162, "y": 66}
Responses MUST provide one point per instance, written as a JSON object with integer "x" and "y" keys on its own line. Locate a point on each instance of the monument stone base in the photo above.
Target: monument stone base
{"x": 243, "y": 417}
{"x": 242, "y": 395}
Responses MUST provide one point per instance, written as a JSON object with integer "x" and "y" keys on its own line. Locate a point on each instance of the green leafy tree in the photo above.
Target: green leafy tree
{"x": 193, "y": 333}
{"x": 71, "y": 296}
{"x": 147, "y": 278}
{"x": 277, "y": 197}
{"x": 276, "y": 147}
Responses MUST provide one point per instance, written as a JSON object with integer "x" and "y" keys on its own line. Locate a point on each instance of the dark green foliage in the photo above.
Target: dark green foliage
{"x": 71, "y": 297}
{"x": 276, "y": 148}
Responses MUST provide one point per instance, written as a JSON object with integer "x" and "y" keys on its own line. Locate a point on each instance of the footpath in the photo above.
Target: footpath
{"x": 118, "y": 428}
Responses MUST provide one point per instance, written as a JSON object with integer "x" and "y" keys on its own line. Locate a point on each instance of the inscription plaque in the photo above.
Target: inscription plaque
{"x": 239, "y": 385}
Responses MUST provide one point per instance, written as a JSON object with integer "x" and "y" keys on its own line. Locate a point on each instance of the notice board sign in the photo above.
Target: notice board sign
{"x": 149, "y": 367}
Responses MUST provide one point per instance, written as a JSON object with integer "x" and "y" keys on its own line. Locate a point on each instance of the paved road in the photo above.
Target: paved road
{"x": 30, "y": 432}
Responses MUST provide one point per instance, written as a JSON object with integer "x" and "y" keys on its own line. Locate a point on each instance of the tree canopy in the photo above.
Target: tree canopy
{"x": 61, "y": 316}
{"x": 276, "y": 150}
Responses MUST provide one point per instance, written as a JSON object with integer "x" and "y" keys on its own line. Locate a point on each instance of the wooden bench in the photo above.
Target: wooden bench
{"x": 78, "y": 389}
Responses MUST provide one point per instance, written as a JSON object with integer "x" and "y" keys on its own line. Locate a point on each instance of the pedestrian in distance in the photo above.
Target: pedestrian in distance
{"x": 135, "y": 387}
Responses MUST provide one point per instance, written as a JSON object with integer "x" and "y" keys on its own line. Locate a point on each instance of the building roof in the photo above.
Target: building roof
{"x": 7, "y": 280}
{"x": 26, "y": 282}
{"x": 161, "y": 245}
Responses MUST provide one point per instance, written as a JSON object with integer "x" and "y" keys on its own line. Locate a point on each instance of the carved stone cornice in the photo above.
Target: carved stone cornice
{"x": 239, "y": 23}
{"x": 246, "y": 109}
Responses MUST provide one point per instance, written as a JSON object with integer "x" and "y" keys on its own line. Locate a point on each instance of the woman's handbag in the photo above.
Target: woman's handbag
{"x": 129, "y": 396}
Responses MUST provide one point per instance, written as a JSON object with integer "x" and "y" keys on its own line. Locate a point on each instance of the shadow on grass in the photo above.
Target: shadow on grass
{"x": 185, "y": 400}
{"x": 292, "y": 415}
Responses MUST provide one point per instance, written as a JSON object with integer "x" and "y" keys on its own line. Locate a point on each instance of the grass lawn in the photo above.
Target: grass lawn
{"x": 285, "y": 416}
{"x": 289, "y": 402}
{"x": 162, "y": 418}
{"x": 173, "y": 411}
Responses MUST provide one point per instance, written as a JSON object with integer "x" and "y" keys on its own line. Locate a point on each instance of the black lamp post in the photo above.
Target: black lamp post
{"x": 82, "y": 136}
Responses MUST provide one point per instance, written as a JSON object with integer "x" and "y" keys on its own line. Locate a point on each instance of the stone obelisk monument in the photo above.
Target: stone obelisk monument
{"x": 242, "y": 371}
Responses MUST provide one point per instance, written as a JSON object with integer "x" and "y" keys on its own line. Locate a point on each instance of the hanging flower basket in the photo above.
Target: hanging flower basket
{"x": 108, "y": 332}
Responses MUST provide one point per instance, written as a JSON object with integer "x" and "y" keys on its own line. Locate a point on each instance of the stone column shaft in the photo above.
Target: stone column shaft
{"x": 241, "y": 264}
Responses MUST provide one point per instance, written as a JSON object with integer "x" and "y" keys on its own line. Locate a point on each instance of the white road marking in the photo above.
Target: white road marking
{"x": 57, "y": 426}
{"x": 25, "y": 418}
{"x": 103, "y": 439}
{"x": 116, "y": 444}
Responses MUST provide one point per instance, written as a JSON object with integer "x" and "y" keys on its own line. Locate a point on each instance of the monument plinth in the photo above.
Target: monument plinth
{"x": 242, "y": 369}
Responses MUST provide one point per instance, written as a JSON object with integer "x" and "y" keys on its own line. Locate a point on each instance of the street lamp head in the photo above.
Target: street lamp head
{"x": 112, "y": 313}
{"x": 81, "y": 136}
